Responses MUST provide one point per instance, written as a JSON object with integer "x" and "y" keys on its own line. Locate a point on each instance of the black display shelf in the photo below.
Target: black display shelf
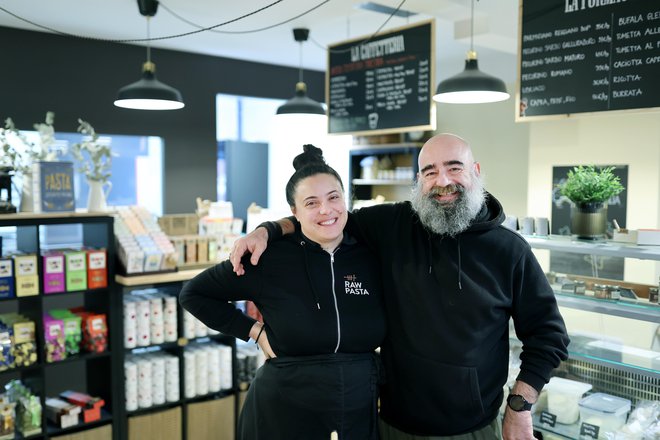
{"x": 53, "y": 430}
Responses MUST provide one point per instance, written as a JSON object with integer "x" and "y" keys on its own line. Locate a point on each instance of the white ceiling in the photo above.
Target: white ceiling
{"x": 495, "y": 39}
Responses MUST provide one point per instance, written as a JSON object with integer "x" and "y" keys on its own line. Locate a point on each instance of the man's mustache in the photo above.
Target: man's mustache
{"x": 442, "y": 190}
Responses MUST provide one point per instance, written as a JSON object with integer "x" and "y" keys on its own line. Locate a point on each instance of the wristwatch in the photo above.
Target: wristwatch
{"x": 518, "y": 403}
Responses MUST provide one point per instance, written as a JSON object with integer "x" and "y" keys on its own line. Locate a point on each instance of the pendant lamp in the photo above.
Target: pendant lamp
{"x": 148, "y": 93}
{"x": 301, "y": 103}
{"x": 471, "y": 86}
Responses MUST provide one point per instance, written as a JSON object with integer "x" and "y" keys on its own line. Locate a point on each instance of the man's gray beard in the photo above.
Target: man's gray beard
{"x": 449, "y": 219}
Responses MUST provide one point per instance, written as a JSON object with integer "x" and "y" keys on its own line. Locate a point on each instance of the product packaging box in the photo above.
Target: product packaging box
{"x": 97, "y": 269}
{"x": 153, "y": 259}
{"x": 72, "y": 329}
{"x": 7, "y": 278}
{"x": 76, "y": 270}
{"x": 648, "y": 236}
{"x": 27, "y": 275}
{"x": 54, "y": 339}
{"x": 563, "y": 398}
{"x": 52, "y": 186}
{"x": 62, "y": 413}
{"x": 6, "y": 356}
{"x": 94, "y": 330}
{"x": 602, "y": 413}
{"x": 202, "y": 249}
{"x": 24, "y": 346}
{"x": 53, "y": 264}
{"x": 191, "y": 249}
{"x": 91, "y": 406}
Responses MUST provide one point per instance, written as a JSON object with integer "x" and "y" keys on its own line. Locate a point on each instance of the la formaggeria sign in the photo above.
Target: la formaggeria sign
{"x": 582, "y": 56}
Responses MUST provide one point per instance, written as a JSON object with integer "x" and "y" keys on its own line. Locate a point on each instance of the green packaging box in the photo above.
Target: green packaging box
{"x": 75, "y": 263}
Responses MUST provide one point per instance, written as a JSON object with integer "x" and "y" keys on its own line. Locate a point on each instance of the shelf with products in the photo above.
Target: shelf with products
{"x": 55, "y": 294}
{"x": 387, "y": 170}
{"x": 594, "y": 247}
{"x": 188, "y": 349}
{"x": 106, "y": 419}
{"x": 636, "y": 309}
{"x": 613, "y": 324}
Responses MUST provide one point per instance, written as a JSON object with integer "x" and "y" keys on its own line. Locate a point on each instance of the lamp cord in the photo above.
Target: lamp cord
{"x": 136, "y": 40}
{"x": 149, "y": 39}
{"x": 300, "y": 64}
{"x": 174, "y": 14}
{"x": 364, "y": 41}
{"x": 472, "y": 28}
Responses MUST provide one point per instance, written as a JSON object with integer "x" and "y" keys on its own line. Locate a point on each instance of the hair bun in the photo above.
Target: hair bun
{"x": 310, "y": 155}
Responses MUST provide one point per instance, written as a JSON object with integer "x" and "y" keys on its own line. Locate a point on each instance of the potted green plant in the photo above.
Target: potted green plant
{"x": 590, "y": 188}
{"x": 19, "y": 153}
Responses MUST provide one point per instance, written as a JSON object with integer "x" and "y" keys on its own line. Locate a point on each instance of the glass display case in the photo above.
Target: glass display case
{"x": 614, "y": 325}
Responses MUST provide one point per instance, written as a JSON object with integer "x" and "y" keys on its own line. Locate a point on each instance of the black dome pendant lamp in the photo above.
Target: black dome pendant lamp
{"x": 301, "y": 103}
{"x": 148, "y": 93}
{"x": 471, "y": 86}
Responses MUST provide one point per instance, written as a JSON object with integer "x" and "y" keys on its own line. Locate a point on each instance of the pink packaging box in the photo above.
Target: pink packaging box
{"x": 53, "y": 264}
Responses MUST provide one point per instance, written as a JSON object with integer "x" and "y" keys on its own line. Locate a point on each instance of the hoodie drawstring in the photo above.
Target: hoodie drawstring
{"x": 430, "y": 254}
{"x": 309, "y": 278}
{"x": 458, "y": 247}
{"x": 460, "y": 272}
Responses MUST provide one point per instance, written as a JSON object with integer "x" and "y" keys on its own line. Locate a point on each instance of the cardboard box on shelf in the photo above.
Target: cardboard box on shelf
{"x": 212, "y": 420}
{"x": 648, "y": 237}
{"x": 163, "y": 425}
{"x": 179, "y": 224}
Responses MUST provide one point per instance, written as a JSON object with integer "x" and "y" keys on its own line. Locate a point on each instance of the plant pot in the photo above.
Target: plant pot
{"x": 589, "y": 220}
{"x": 98, "y": 195}
{"x": 27, "y": 199}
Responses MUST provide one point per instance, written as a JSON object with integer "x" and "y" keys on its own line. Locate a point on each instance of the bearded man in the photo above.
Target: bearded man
{"x": 453, "y": 277}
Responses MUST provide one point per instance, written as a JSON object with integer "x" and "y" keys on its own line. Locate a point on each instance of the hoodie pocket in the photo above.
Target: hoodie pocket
{"x": 426, "y": 396}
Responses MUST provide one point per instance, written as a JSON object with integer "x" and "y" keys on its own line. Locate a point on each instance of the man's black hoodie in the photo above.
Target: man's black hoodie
{"x": 448, "y": 303}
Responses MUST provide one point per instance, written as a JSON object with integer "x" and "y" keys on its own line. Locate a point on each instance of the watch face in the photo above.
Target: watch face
{"x": 518, "y": 403}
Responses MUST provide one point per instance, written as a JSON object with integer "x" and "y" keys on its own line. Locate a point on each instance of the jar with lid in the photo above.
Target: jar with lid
{"x": 653, "y": 295}
{"x": 579, "y": 287}
{"x": 600, "y": 291}
{"x": 614, "y": 292}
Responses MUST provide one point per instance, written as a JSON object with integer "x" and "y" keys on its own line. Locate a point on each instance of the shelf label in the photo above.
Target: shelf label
{"x": 548, "y": 419}
{"x": 589, "y": 431}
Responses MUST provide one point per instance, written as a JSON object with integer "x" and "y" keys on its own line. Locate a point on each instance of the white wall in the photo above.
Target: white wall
{"x": 631, "y": 139}
{"x": 290, "y": 133}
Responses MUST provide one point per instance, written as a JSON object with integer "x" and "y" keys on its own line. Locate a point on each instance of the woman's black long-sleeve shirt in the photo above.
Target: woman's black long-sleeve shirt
{"x": 312, "y": 302}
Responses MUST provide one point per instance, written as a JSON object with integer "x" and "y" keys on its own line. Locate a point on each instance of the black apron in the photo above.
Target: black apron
{"x": 308, "y": 397}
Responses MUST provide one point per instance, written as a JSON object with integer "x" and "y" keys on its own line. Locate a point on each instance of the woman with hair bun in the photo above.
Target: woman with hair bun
{"x": 319, "y": 292}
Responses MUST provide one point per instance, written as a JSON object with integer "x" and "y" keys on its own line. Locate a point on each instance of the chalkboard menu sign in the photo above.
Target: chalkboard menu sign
{"x": 581, "y": 56}
{"x": 382, "y": 84}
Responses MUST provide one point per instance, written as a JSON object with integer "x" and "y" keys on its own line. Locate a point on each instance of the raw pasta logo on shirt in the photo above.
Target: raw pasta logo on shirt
{"x": 354, "y": 287}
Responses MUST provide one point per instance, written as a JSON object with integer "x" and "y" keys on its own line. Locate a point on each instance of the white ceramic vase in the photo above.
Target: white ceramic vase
{"x": 98, "y": 195}
{"x": 27, "y": 201}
